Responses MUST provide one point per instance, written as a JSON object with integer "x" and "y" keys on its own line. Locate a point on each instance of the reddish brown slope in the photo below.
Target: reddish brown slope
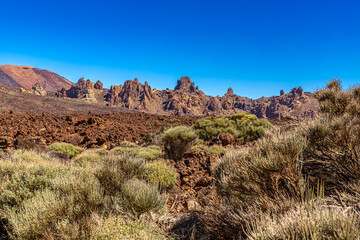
{"x": 26, "y": 77}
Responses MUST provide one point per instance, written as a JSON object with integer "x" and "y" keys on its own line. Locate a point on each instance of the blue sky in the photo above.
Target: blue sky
{"x": 256, "y": 47}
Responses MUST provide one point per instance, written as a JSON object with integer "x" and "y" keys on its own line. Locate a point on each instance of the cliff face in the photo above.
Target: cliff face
{"x": 186, "y": 99}
{"x": 27, "y": 77}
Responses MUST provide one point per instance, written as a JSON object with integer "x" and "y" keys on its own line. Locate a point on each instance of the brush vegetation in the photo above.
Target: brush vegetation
{"x": 149, "y": 152}
{"x": 300, "y": 184}
{"x": 244, "y": 126}
{"x": 96, "y": 195}
{"x": 215, "y": 150}
{"x": 178, "y": 140}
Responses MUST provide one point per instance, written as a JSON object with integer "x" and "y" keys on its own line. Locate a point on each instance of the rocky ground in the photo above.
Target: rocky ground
{"x": 195, "y": 186}
{"x": 86, "y": 130}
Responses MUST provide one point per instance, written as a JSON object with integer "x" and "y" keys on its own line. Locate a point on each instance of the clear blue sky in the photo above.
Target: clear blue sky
{"x": 256, "y": 47}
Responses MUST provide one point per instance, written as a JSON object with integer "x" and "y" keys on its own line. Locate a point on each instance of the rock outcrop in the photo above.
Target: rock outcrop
{"x": 83, "y": 89}
{"x": 36, "y": 90}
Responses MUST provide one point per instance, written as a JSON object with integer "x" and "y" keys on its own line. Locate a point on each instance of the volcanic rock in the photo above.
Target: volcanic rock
{"x": 27, "y": 77}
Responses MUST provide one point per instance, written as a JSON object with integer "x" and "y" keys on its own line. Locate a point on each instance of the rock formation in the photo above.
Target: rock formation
{"x": 83, "y": 89}
{"x": 186, "y": 99}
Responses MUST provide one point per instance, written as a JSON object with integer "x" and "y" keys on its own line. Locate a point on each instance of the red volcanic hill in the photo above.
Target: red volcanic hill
{"x": 27, "y": 77}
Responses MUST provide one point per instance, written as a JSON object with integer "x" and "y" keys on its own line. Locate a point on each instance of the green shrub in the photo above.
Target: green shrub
{"x": 29, "y": 156}
{"x": 64, "y": 149}
{"x": 89, "y": 157}
{"x": 141, "y": 197}
{"x": 116, "y": 228}
{"x": 178, "y": 140}
{"x": 215, "y": 150}
{"x": 160, "y": 174}
{"x": 47, "y": 199}
{"x": 150, "y": 152}
{"x": 244, "y": 126}
{"x": 115, "y": 170}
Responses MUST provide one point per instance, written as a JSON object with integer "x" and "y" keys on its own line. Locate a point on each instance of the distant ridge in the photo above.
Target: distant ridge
{"x": 27, "y": 77}
{"x": 187, "y": 99}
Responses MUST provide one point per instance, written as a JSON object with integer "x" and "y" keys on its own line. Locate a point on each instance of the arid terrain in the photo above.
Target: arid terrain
{"x": 27, "y": 77}
{"x": 137, "y": 163}
{"x": 56, "y": 95}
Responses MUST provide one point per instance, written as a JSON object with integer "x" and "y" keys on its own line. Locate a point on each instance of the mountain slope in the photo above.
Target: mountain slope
{"x": 27, "y": 77}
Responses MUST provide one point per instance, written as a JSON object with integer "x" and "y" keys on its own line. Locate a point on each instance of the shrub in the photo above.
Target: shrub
{"x": 142, "y": 197}
{"x": 333, "y": 149}
{"x": 160, "y": 174}
{"x": 271, "y": 168}
{"x": 116, "y": 228}
{"x": 89, "y": 157}
{"x": 47, "y": 199}
{"x": 64, "y": 149}
{"x": 29, "y": 156}
{"x": 309, "y": 222}
{"x": 244, "y": 126}
{"x": 215, "y": 150}
{"x": 115, "y": 170}
{"x": 150, "y": 152}
{"x": 178, "y": 140}
{"x": 334, "y": 101}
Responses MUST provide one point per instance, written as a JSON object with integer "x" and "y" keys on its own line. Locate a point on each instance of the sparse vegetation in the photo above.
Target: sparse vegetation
{"x": 89, "y": 157}
{"x": 42, "y": 197}
{"x": 274, "y": 181}
{"x": 215, "y": 150}
{"x": 302, "y": 183}
{"x": 64, "y": 149}
{"x": 150, "y": 152}
{"x": 244, "y": 126}
{"x": 116, "y": 228}
{"x": 178, "y": 140}
{"x": 141, "y": 197}
{"x": 159, "y": 174}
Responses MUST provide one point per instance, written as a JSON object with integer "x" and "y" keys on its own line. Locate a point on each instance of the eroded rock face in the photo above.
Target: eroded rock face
{"x": 37, "y": 89}
{"x": 186, "y": 99}
{"x": 83, "y": 89}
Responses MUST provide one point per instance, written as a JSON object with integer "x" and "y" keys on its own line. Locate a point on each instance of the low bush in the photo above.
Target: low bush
{"x": 89, "y": 157}
{"x": 309, "y": 221}
{"x": 215, "y": 150}
{"x": 29, "y": 156}
{"x": 44, "y": 198}
{"x": 150, "y": 152}
{"x": 160, "y": 174}
{"x": 141, "y": 197}
{"x": 114, "y": 227}
{"x": 36, "y": 198}
{"x": 244, "y": 126}
{"x": 66, "y": 150}
{"x": 272, "y": 168}
{"x": 117, "y": 228}
{"x": 115, "y": 170}
{"x": 178, "y": 140}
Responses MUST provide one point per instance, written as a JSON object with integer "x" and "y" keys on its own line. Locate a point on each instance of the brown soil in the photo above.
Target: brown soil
{"x": 86, "y": 130}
